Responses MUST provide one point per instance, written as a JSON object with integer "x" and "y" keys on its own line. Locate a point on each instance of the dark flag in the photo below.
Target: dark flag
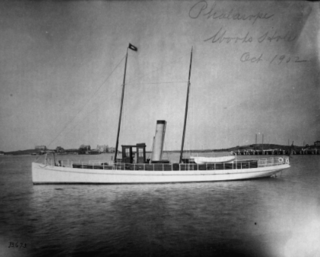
{"x": 132, "y": 47}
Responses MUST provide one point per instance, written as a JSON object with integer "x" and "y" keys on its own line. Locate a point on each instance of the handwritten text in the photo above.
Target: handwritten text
{"x": 279, "y": 59}
{"x": 247, "y": 57}
{"x": 202, "y": 8}
{"x": 223, "y": 36}
{"x": 17, "y": 245}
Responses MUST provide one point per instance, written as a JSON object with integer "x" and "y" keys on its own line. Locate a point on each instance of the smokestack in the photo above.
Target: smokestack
{"x": 158, "y": 140}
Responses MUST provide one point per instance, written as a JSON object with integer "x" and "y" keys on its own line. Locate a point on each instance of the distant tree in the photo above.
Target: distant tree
{"x": 59, "y": 149}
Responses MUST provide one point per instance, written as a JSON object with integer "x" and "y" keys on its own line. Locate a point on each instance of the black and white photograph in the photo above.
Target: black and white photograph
{"x": 160, "y": 128}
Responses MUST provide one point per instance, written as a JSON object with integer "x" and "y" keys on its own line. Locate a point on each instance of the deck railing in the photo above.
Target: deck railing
{"x": 237, "y": 164}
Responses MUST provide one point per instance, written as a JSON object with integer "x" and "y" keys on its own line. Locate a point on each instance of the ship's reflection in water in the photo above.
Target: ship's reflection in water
{"x": 266, "y": 217}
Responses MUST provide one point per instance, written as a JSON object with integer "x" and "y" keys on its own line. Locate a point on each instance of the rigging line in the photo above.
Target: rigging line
{"x": 91, "y": 111}
{"x": 67, "y": 124}
{"x": 170, "y": 82}
{"x": 107, "y": 99}
{"x": 148, "y": 73}
{"x": 140, "y": 89}
{"x": 104, "y": 100}
{"x": 134, "y": 79}
{"x": 164, "y": 150}
{"x": 99, "y": 103}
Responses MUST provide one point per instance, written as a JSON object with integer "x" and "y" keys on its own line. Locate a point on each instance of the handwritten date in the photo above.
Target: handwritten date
{"x": 286, "y": 59}
{"x": 246, "y": 57}
{"x": 277, "y": 59}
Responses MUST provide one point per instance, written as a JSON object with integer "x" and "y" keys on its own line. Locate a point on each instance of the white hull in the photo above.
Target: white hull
{"x": 46, "y": 174}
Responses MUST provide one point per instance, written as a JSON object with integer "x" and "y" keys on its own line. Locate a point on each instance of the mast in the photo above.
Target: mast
{"x": 186, "y": 109}
{"x": 121, "y": 106}
{"x": 133, "y": 48}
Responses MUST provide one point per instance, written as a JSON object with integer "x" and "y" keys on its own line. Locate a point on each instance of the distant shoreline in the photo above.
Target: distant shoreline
{"x": 240, "y": 149}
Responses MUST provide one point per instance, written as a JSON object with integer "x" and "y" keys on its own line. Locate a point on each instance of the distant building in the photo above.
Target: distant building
{"x": 111, "y": 149}
{"x": 41, "y": 147}
{"x": 102, "y": 148}
{"x": 317, "y": 143}
{"x": 84, "y": 149}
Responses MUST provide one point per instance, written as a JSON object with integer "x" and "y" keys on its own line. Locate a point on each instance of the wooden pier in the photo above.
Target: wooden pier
{"x": 300, "y": 151}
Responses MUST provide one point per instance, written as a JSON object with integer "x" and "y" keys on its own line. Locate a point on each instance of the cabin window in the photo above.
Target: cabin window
{"x": 140, "y": 152}
{"x": 127, "y": 152}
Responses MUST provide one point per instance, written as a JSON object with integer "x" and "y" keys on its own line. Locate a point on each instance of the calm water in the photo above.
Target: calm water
{"x": 267, "y": 217}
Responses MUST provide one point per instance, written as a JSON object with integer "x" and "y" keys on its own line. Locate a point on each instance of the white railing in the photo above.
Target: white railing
{"x": 237, "y": 164}
{"x": 273, "y": 161}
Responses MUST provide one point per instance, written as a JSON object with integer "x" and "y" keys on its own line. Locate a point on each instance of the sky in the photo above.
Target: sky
{"x": 255, "y": 71}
